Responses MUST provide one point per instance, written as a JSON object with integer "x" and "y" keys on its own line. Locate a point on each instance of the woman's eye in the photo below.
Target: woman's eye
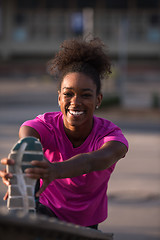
{"x": 87, "y": 95}
{"x": 67, "y": 94}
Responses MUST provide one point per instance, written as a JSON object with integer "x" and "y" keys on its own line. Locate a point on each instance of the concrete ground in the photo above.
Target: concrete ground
{"x": 134, "y": 193}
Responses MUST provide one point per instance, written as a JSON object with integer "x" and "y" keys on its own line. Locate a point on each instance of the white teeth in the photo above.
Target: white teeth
{"x": 75, "y": 113}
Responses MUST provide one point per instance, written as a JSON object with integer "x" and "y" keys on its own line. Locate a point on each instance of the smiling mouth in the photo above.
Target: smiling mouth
{"x": 75, "y": 113}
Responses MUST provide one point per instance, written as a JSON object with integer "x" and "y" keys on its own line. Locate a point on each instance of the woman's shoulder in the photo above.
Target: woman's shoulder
{"x": 108, "y": 131}
{"x": 103, "y": 123}
{"x": 50, "y": 117}
{"x": 49, "y": 120}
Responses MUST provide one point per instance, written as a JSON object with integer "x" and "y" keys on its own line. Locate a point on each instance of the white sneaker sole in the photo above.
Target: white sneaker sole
{"x": 21, "y": 191}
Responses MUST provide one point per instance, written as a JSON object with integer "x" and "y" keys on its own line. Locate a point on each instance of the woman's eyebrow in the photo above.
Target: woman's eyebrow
{"x": 87, "y": 89}
{"x": 67, "y": 88}
{"x": 83, "y": 89}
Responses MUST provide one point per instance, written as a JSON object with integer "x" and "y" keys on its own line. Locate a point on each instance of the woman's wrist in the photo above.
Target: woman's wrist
{"x": 56, "y": 171}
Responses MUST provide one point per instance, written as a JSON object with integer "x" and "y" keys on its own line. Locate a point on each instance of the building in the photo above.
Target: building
{"x": 37, "y": 27}
{"x": 130, "y": 28}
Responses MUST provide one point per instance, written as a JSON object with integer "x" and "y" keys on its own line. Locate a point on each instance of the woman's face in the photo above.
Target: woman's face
{"x": 78, "y": 99}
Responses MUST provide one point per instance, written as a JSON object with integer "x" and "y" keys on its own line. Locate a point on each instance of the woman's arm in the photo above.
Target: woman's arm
{"x": 98, "y": 160}
{"x": 26, "y": 131}
{"x": 80, "y": 164}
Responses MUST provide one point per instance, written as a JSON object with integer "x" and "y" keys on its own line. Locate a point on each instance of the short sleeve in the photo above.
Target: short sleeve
{"x": 114, "y": 135}
{"x": 43, "y": 130}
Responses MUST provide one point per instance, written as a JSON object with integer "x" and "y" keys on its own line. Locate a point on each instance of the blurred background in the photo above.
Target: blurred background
{"x": 31, "y": 32}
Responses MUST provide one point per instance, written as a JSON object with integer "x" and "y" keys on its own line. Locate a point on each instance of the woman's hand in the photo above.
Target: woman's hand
{"x": 43, "y": 170}
{"x": 4, "y": 175}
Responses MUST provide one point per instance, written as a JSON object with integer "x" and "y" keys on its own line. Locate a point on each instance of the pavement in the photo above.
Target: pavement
{"x": 134, "y": 195}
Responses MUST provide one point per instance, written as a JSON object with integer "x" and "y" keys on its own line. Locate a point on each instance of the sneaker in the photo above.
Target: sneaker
{"x": 21, "y": 191}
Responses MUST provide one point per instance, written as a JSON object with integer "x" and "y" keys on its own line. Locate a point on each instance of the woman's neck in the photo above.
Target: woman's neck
{"x": 77, "y": 135}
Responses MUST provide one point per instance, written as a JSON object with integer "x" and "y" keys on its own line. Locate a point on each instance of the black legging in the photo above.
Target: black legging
{"x": 43, "y": 210}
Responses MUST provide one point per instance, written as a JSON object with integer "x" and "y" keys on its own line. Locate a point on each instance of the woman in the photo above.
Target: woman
{"x": 81, "y": 149}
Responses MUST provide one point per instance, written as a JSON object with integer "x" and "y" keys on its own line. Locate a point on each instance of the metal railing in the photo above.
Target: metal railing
{"x": 33, "y": 227}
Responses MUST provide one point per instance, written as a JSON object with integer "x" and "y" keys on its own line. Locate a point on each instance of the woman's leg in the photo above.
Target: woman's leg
{"x": 94, "y": 226}
{"x": 43, "y": 210}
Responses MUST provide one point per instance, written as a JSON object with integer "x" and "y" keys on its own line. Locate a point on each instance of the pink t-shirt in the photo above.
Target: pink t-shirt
{"x": 80, "y": 200}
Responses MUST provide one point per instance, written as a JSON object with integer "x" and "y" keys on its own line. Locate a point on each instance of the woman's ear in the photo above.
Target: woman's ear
{"x": 59, "y": 97}
{"x": 99, "y": 100}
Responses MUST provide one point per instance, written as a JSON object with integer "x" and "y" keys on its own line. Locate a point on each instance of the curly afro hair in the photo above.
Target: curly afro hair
{"x": 80, "y": 55}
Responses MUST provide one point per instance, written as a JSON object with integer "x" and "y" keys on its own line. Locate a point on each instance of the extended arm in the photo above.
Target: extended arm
{"x": 101, "y": 159}
{"x": 80, "y": 164}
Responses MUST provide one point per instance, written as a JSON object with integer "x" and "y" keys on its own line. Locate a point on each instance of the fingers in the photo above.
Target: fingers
{"x": 5, "y": 196}
{"x": 39, "y": 192}
{"x": 41, "y": 164}
{"x": 45, "y": 159}
{"x": 3, "y": 174}
{"x": 6, "y": 181}
{"x": 37, "y": 173}
{"x": 5, "y": 177}
{"x": 7, "y": 161}
{"x": 41, "y": 189}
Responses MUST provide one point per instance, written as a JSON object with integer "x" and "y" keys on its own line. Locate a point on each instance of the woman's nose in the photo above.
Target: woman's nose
{"x": 76, "y": 100}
